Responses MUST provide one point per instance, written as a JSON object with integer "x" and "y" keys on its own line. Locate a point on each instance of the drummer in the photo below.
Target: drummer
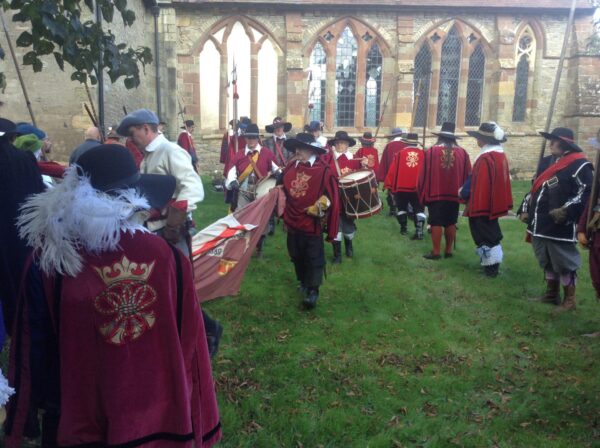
{"x": 248, "y": 167}
{"x": 342, "y": 162}
{"x": 311, "y": 197}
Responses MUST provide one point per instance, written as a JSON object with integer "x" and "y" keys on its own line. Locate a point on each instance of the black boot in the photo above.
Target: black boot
{"x": 310, "y": 301}
{"x": 337, "y": 252}
{"x": 492, "y": 270}
{"x": 418, "y": 230}
{"x": 259, "y": 247}
{"x": 349, "y": 249}
{"x": 403, "y": 221}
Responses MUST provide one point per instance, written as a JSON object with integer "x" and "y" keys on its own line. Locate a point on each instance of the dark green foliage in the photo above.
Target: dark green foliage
{"x": 56, "y": 28}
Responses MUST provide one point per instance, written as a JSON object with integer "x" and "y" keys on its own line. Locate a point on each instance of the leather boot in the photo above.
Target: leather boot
{"x": 403, "y": 221}
{"x": 569, "y": 301}
{"x": 492, "y": 270}
{"x": 310, "y": 301}
{"x": 552, "y": 294}
{"x": 349, "y": 249}
{"x": 337, "y": 252}
{"x": 418, "y": 230}
{"x": 259, "y": 247}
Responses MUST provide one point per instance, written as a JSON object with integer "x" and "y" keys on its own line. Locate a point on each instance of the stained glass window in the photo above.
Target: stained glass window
{"x": 449, "y": 78}
{"x": 373, "y": 86}
{"x": 345, "y": 79}
{"x": 422, "y": 78}
{"x": 475, "y": 87}
{"x": 316, "y": 91}
{"x": 525, "y": 57}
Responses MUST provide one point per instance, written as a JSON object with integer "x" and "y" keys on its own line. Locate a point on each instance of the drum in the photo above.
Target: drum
{"x": 359, "y": 194}
{"x": 265, "y": 185}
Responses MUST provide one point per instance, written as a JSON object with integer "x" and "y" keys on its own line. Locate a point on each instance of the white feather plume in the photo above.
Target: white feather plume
{"x": 498, "y": 131}
{"x": 61, "y": 223}
{"x": 5, "y": 390}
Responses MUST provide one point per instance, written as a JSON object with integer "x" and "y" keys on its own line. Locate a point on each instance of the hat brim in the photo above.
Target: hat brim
{"x": 270, "y": 128}
{"x": 410, "y": 142}
{"x": 485, "y": 138}
{"x": 292, "y": 144}
{"x": 367, "y": 140}
{"x": 446, "y": 135}
{"x": 574, "y": 146}
{"x": 157, "y": 188}
{"x": 350, "y": 140}
{"x": 252, "y": 135}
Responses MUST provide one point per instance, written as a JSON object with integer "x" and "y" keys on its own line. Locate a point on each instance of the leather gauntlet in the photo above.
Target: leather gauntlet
{"x": 319, "y": 208}
{"x": 176, "y": 219}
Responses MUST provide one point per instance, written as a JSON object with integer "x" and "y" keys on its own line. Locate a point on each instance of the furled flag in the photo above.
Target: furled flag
{"x": 221, "y": 252}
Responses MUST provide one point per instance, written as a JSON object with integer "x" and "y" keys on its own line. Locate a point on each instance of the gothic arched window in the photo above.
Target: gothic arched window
{"x": 475, "y": 87}
{"x": 345, "y": 78}
{"x": 422, "y": 78}
{"x": 525, "y": 60}
{"x": 317, "y": 90}
{"x": 373, "y": 86}
{"x": 449, "y": 77}
{"x": 244, "y": 45}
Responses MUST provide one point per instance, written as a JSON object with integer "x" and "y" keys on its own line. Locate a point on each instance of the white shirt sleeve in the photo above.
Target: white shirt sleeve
{"x": 231, "y": 176}
{"x": 189, "y": 185}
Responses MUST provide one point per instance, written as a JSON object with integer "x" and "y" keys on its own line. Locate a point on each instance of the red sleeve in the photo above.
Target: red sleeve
{"x": 52, "y": 169}
{"x": 582, "y": 224}
{"x": 184, "y": 141}
{"x": 390, "y": 178}
{"x": 332, "y": 192}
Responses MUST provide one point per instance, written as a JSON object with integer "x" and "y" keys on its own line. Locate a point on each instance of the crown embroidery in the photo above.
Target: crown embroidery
{"x": 412, "y": 159}
{"x": 299, "y": 185}
{"x": 126, "y": 303}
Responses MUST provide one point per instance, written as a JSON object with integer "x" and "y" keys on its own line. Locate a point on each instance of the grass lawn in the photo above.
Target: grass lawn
{"x": 402, "y": 351}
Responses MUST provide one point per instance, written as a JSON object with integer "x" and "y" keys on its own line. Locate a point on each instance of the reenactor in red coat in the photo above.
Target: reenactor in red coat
{"x": 311, "y": 192}
{"x": 368, "y": 151}
{"x": 446, "y": 167}
{"x": 394, "y": 146}
{"x": 489, "y": 195}
{"x": 402, "y": 179}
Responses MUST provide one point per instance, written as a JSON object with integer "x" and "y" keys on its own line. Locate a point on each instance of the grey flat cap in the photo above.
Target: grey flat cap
{"x": 140, "y": 116}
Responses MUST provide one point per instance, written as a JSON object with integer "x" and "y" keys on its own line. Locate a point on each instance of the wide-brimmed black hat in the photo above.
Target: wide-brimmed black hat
{"x": 447, "y": 131}
{"x": 343, "y": 136}
{"x": 187, "y": 124}
{"x": 278, "y": 123}
{"x": 111, "y": 168}
{"x": 489, "y": 133}
{"x": 304, "y": 140}
{"x": 7, "y": 128}
{"x": 367, "y": 138}
{"x": 410, "y": 138}
{"x": 565, "y": 135}
{"x": 252, "y": 131}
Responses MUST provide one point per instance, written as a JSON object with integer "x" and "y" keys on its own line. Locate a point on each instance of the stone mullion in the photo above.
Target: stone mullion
{"x": 434, "y": 89}
{"x": 361, "y": 82}
{"x": 330, "y": 93}
{"x": 254, "y": 81}
{"x": 223, "y": 94}
{"x": 463, "y": 80}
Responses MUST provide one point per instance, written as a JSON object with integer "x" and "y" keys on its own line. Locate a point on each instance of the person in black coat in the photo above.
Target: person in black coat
{"x": 20, "y": 177}
{"x": 556, "y": 201}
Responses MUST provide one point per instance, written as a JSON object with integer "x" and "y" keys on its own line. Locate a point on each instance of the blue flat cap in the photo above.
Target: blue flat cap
{"x": 137, "y": 117}
{"x": 27, "y": 128}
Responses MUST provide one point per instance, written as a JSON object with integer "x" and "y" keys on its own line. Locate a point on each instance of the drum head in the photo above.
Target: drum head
{"x": 356, "y": 176}
{"x": 265, "y": 186}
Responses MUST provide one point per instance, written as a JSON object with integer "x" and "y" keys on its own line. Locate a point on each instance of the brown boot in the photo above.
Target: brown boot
{"x": 552, "y": 294}
{"x": 569, "y": 302}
